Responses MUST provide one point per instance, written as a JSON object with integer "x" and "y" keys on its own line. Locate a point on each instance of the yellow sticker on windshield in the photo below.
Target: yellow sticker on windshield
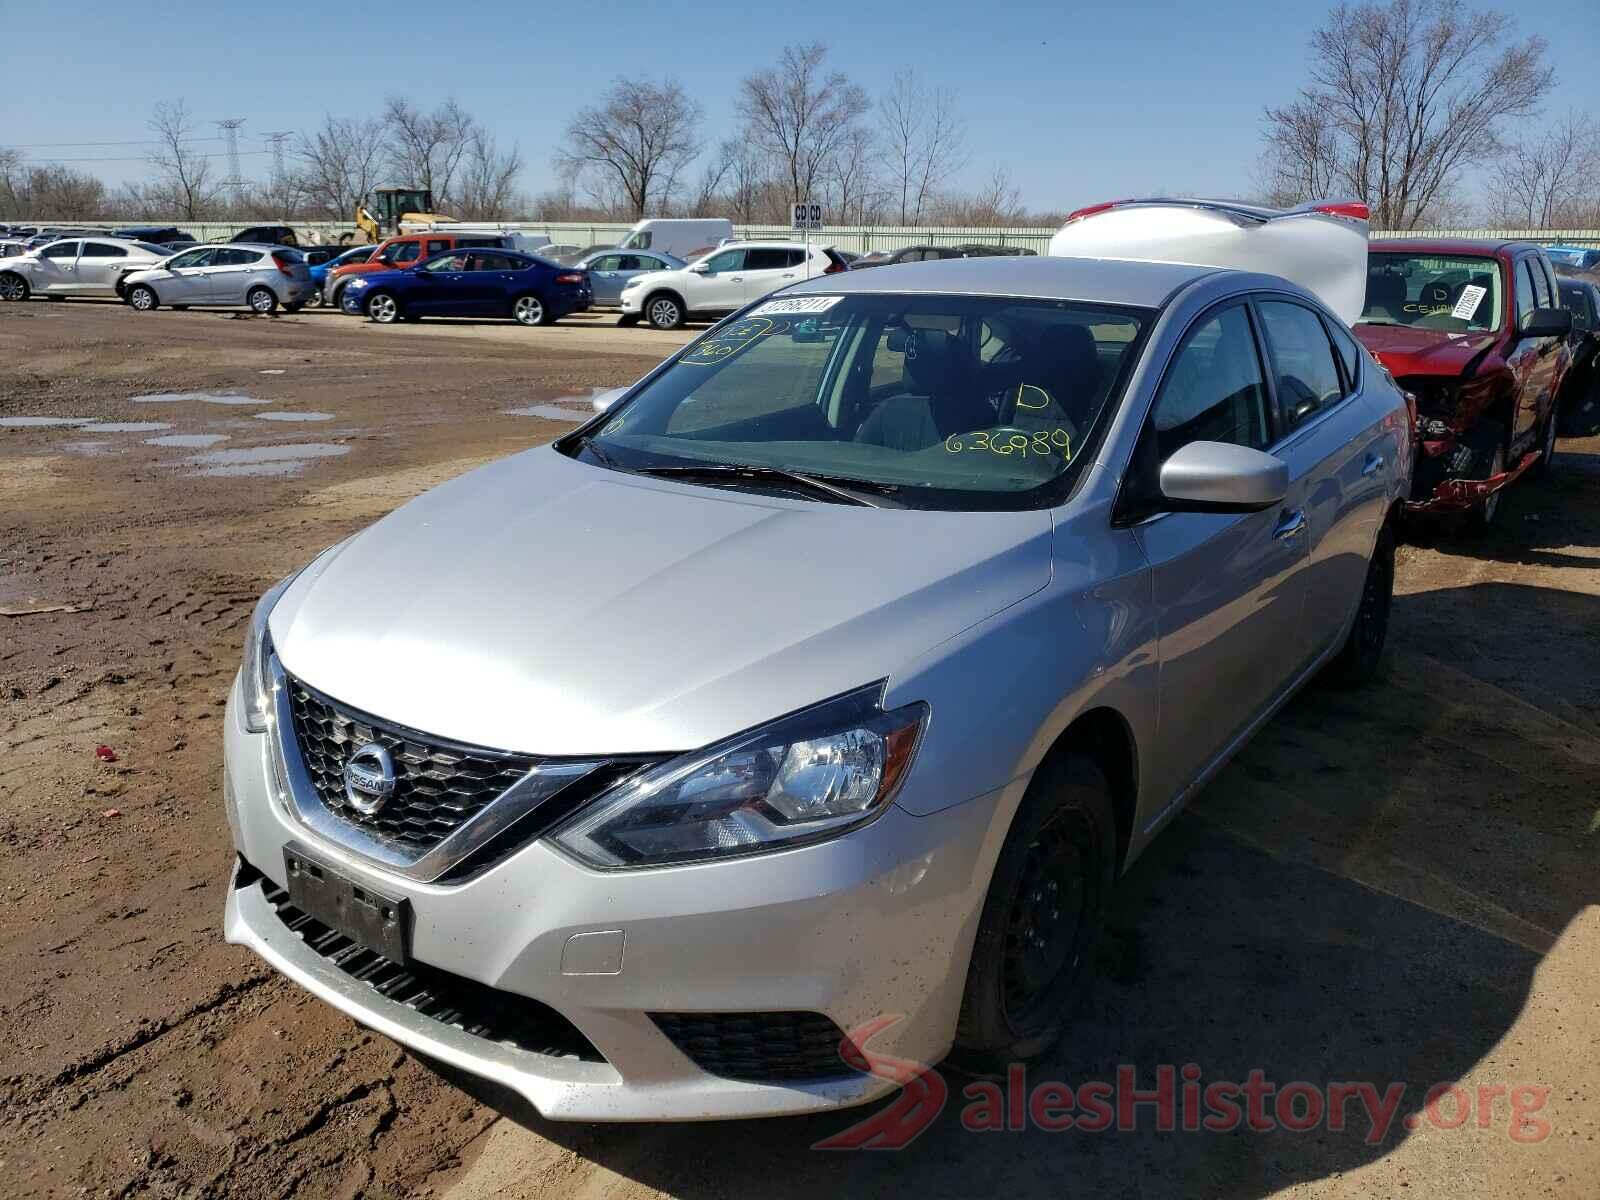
{"x": 725, "y": 343}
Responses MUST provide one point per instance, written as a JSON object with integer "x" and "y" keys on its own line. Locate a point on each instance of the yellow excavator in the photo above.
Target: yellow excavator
{"x": 394, "y": 206}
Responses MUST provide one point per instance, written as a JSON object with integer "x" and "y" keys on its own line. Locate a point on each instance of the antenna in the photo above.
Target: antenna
{"x": 235, "y": 180}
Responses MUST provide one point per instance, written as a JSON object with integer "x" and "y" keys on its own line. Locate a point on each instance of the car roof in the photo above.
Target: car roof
{"x": 1467, "y": 246}
{"x": 1042, "y": 277}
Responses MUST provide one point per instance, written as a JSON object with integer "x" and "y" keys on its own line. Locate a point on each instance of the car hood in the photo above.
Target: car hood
{"x": 1407, "y": 350}
{"x": 386, "y": 275}
{"x": 548, "y": 606}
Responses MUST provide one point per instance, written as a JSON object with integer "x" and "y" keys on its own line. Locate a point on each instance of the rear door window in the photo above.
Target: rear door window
{"x": 230, "y": 257}
{"x": 437, "y": 246}
{"x": 103, "y": 250}
{"x": 763, "y": 259}
{"x": 1302, "y": 360}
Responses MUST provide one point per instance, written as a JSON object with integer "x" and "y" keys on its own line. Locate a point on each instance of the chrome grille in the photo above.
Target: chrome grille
{"x": 439, "y": 785}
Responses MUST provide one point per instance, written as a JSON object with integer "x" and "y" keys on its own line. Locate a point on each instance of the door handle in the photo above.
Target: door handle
{"x": 1373, "y": 466}
{"x": 790, "y": 275}
{"x": 735, "y": 278}
{"x": 1290, "y": 524}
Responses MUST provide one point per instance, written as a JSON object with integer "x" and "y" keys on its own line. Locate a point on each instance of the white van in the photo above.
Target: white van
{"x": 677, "y": 235}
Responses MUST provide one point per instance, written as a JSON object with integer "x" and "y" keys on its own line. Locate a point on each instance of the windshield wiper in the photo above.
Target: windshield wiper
{"x": 716, "y": 472}
{"x": 587, "y": 442}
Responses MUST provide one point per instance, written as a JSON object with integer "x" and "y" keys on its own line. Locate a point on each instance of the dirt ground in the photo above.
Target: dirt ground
{"x": 1396, "y": 885}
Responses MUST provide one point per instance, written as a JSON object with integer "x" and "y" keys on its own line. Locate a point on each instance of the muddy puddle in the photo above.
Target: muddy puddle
{"x": 190, "y": 441}
{"x": 551, "y": 412}
{"x": 201, "y": 397}
{"x": 281, "y": 461}
{"x": 293, "y": 416}
{"x": 42, "y": 422}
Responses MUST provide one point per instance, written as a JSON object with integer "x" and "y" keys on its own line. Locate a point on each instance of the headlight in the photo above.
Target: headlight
{"x": 807, "y": 776}
{"x": 253, "y": 675}
{"x": 358, "y": 283}
{"x": 257, "y": 649}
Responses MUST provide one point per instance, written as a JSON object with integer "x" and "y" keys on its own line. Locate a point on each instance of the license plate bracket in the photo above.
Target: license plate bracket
{"x": 370, "y": 919}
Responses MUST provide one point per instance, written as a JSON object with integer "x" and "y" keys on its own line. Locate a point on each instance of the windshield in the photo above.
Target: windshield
{"x": 1429, "y": 291}
{"x": 937, "y": 401}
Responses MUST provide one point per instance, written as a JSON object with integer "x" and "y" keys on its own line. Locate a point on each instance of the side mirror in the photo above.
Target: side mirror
{"x": 1219, "y": 477}
{"x": 606, "y": 399}
{"x": 701, "y": 268}
{"x": 1547, "y": 322}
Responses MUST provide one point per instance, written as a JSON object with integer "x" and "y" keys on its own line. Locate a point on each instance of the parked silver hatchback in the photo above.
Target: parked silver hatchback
{"x": 234, "y": 275}
{"x": 818, "y": 691}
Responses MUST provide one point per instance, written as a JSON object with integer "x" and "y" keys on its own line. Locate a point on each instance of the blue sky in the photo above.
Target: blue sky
{"x": 1079, "y": 102}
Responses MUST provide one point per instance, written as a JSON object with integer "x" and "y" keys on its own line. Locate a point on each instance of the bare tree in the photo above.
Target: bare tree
{"x": 488, "y": 181}
{"x": 853, "y": 185}
{"x": 800, "y": 114}
{"x": 425, "y": 149}
{"x": 1300, "y": 162}
{"x": 924, "y": 142}
{"x": 183, "y": 172}
{"x": 997, "y": 202}
{"x": 1414, "y": 92}
{"x": 341, "y": 163}
{"x": 48, "y": 190}
{"x": 1545, "y": 179}
{"x": 635, "y": 143}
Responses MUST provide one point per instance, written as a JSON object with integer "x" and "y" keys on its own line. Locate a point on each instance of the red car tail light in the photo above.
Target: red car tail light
{"x": 570, "y": 277}
{"x": 283, "y": 264}
{"x": 1350, "y": 208}
{"x": 1079, "y": 214}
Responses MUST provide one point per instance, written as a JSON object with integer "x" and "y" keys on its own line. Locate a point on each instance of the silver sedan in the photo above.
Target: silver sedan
{"x": 819, "y": 690}
{"x": 80, "y": 266}
{"x": 609, "y": 270}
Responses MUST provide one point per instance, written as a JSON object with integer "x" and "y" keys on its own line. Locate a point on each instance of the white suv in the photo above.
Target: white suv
{"x": 723, "y": 281}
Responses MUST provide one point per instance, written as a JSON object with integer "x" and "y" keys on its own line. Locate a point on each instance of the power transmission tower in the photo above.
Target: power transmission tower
{"x": 235, "y": 179}
{"x": 277, "y": 141}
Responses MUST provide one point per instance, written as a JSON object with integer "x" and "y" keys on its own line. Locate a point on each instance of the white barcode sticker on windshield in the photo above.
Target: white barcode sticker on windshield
{"x": 796, "y": 305}
{"x": 1471, "y": 296}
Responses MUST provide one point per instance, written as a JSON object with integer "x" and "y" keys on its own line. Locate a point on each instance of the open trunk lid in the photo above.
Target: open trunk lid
{"x": 1320, "y": 246}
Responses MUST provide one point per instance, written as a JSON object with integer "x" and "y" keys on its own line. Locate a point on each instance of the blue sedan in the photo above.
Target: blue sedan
{"x": 472, "y": 283}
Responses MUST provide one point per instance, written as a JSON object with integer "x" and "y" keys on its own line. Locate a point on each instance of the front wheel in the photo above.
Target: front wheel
{"x": 1042, "y": 919}
{"x": 262, "y": 301}
{"x": 13, "y": 287}
{"x": 315, "y": 300}
{"x": 1361, "y": 659}
{"x": 142, "y": 298}
{"x": 382, "y": 308}
{"x": 664, "y": 312}
{"x": 530, "y": 310}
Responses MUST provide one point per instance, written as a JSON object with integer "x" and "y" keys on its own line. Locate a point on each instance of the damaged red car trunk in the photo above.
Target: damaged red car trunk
{"x": 1476, "y": 332}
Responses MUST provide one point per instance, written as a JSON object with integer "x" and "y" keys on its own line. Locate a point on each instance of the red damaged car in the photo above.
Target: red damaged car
{"x": 1476, "y": 332}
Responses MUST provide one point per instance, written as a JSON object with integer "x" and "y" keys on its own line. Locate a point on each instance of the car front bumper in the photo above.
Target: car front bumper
{"x": 877, "y": 923}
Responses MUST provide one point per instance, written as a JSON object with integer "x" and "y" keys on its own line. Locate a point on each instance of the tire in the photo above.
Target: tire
{"x": 142, "y": 298}
{"x": 295, "y": 307}
{"x": 1360, "y": 661}
{"x": 627, "y": 320}
{"x": 1061, "y": 851}
{"x": 1487, "y": 444}
{"x": 346, "y": 303}
{"x": 664, "y": 311}
{"x": 316, "y": 299}
{"x": 262, "y": 301}
{"x": 530, "y": 310}
{"x": 383, "y": 308}
{"x": 13, "y": 287}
